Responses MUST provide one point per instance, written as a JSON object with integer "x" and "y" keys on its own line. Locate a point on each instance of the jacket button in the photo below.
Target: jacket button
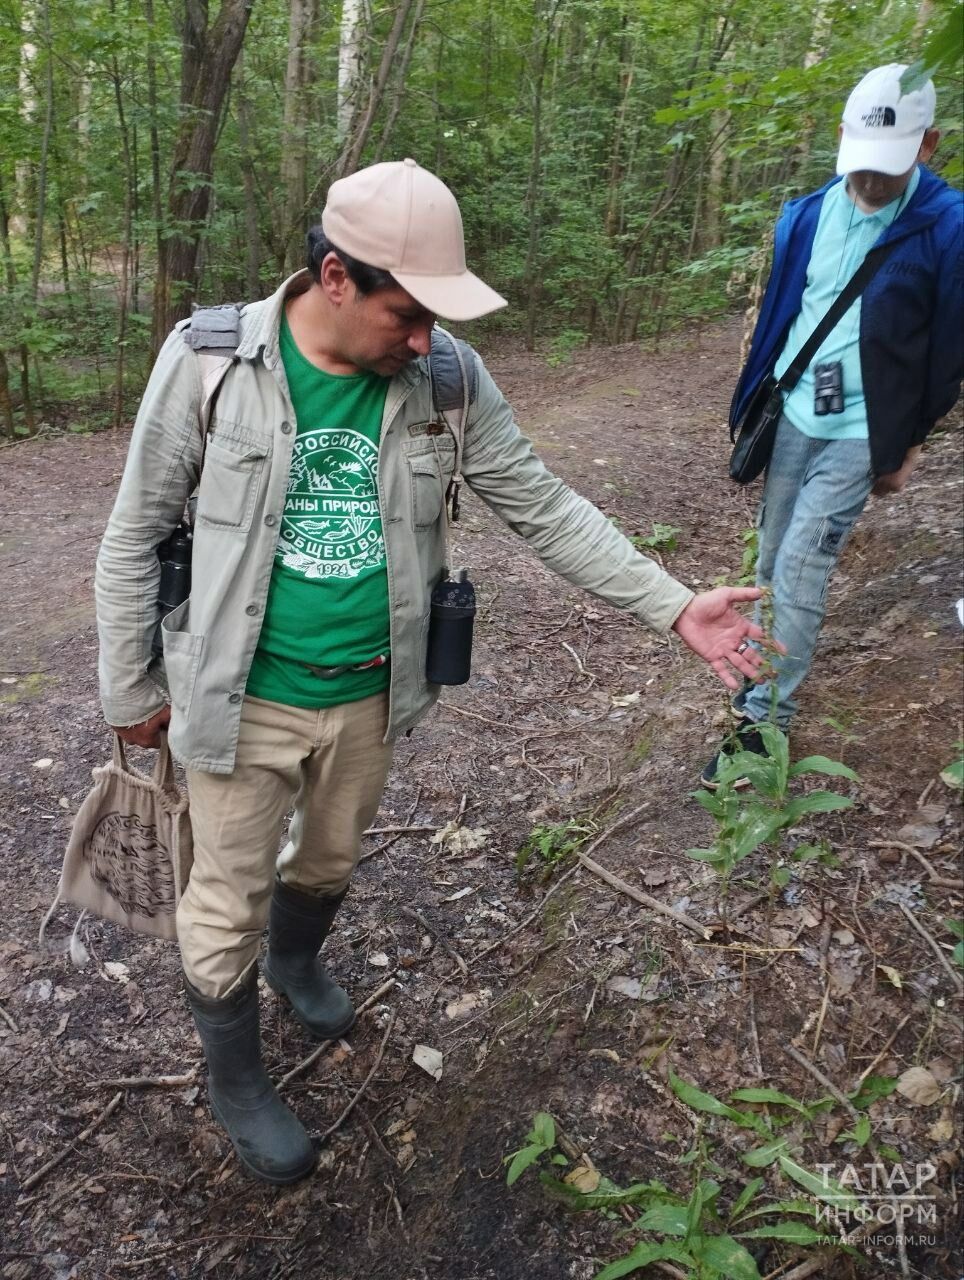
{"x": 251, "y": 610}
{"x": 271, "y": 521}
{"x": 286, "y": 428}
{"x": 234, "y": 697}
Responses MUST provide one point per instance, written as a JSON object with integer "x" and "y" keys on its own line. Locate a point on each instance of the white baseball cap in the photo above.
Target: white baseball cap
{"x": 882, "y": 127}
{"x": 401, "y": 218}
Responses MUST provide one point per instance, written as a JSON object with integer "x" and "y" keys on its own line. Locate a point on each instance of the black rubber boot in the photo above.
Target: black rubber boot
{"x": 269, "y": 1138}
{"x": 297, "y": 926}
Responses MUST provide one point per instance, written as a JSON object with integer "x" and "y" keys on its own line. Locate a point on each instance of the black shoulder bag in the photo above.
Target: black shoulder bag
{"x": 756, "y": 430}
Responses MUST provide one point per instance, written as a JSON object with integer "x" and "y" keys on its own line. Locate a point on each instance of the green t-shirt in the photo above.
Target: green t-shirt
{"x": 328, "y": 599}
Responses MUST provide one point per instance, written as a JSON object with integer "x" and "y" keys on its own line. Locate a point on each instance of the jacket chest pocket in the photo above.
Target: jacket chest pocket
{"x": 431, "y": 470}
{"x": 230, "y": 481}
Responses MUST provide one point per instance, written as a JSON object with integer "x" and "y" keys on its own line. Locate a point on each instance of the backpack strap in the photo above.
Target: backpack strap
{"x": 214, "y": 334}
{"x": 453, "y": 377}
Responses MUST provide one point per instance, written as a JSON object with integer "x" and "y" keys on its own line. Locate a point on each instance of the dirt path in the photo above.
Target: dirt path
{"x": 412, "y": 1186}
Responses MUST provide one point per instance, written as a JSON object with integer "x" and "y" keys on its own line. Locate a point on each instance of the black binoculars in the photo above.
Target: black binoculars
{"x": 828, "y": 388}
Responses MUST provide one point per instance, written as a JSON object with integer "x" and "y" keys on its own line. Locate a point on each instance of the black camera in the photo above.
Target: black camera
{"x": 828, "y": 388}
{"x": 174, "y": 553}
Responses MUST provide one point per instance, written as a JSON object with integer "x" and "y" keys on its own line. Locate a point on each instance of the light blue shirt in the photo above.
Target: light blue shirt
{"x": 844, "y": 236}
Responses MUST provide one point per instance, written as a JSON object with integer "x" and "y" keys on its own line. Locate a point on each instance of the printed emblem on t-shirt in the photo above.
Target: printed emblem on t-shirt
{"x": 331, "y": 526}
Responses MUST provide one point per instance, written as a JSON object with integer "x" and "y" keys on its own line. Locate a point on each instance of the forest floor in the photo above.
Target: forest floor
{"x": 546, "y": 990}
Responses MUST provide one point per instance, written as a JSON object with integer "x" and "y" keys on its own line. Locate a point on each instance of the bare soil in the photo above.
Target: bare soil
{"x": 411, "y": 1185}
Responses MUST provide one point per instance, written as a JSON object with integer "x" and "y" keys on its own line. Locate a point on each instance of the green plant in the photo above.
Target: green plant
{"x": 695, "y": 1230}
{"x": 953, "y": 773}
{"x": 663, "y": 538}
{"x": 563, "y": 345}
{"x": 752, "y": 816}
{"x": 552, "y": 844}
{"x": 540, "y": 1140}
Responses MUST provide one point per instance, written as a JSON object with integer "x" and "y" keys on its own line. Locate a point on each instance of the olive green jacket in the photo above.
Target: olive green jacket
{"x": 209, "y": 641}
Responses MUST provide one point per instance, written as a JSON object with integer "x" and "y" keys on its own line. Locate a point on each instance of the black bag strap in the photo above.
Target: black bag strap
{"x": 842, "y": 303}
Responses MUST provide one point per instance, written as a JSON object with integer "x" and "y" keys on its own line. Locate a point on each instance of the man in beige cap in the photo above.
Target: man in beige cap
{"x": 332, "y": 420}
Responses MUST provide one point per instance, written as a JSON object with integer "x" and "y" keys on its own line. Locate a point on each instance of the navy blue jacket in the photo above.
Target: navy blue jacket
{"x": 911, "y": 316}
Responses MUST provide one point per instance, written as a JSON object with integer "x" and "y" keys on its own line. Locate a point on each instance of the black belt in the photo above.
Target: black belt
{"x": 332, "y": 673}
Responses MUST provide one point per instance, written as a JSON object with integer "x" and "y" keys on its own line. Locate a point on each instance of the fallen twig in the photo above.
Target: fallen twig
{"x": 643, "y": 899}
{"x": 398, "y": 831}
{"x": 443, "y": 942}
{"x": 42, "y": 1172}
{"x": 934, "y": 946}
{"x": 943, "y": 882}
{"x": 365, "y": 1083}
{"x": 146, "y": 1082}
{"x": 893, "y": 1036}
{"x": 9, "y": 1020}
{"x": 579, "y": 663}
{"x": 530, "y": 730}
{"x": 533, "y": 915}
{"x": 316, "y": 1053}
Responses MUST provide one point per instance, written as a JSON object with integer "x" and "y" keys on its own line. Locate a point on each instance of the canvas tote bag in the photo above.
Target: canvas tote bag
{"x": 130, "y": 851}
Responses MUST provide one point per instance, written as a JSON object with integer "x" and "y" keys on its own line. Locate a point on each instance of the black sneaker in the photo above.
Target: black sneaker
{"x": 750, "y": 740}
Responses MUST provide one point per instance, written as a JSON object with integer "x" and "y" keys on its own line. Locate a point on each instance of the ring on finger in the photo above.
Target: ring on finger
{"x": 743, "y": 646}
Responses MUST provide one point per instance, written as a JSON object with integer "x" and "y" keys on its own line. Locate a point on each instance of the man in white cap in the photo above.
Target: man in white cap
{"x": 890, "y": 367}
{"x": 328, "y": 457}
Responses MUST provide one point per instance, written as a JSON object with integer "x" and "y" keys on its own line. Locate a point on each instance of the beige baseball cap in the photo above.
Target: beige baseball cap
{"x": 401, "y": 218}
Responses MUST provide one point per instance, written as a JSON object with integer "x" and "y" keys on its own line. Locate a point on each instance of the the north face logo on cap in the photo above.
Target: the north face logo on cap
{"x": 879, "y": 117}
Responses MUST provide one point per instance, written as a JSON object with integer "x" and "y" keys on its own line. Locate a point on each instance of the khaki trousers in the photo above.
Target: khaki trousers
{"x": 332, "y": 763}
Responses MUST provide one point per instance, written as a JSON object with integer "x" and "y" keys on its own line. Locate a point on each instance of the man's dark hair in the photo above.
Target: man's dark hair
{"x": 366, "y": 279}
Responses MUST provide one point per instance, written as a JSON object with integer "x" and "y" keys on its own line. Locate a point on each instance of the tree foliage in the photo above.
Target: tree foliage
{"x": 617, "y": 161}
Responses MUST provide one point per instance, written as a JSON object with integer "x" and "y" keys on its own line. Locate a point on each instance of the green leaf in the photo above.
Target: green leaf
{"x": 769, "y": 1095}
{"x": 544, "y": 1129}
{"x": 789, "y": 1232}
{"x": 521, "y": 1161}
{"x": 823, "y": 1187}
{"x": 778, "y": 749}
{"x": 860, "y": 1133}
{"x": 641, "y": 1256}
{"x": 727, "y": 1256}
{"x": 821, "y": 764}
{"x": 872, "y": 1089}
{"x": 744, "y": 1198}
{"x": 804, "y": 1207}
{"x": 701, "y": 1101}
{"x": 666, "y": 1219}
{"x": 706, "y": 855}
{"x": 956, "y": 927}
{"x": 816, "y": 802}
{"x": 756, "y": 826}
{"x": 606, "y": 1196}
{"x": 760, "y": 1157}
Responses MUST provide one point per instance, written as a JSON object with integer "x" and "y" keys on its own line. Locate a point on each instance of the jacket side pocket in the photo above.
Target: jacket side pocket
{"x": 182, "y": 658}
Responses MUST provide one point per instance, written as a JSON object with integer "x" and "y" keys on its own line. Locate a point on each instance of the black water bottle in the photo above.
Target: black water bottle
{"x": 450, "y": 631}
{"x": 174, "y": 553}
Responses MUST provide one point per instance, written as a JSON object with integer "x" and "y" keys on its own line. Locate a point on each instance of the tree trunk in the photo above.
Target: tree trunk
{"x": 252, "y": 237}
{"x": 350, "y": 60}
{"x": 398, "y": 90}
{"x": 294, "y": 182}
{"x": 208, "y": 58}
{"x": 123, "y": 291}
{"x": 541, "y": 40}
{"x": 354, "y": 146}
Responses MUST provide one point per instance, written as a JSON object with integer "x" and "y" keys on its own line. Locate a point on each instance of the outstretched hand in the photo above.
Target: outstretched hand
{"x": 720, "y": 635}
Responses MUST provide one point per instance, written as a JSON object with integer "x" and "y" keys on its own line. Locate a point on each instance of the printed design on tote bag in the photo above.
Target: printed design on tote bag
{"x": 125, "y": 858}
{"x": 331, "y": 526}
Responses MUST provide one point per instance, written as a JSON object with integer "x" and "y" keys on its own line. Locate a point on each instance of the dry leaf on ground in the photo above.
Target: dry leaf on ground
{"x": 918, "y": 1087}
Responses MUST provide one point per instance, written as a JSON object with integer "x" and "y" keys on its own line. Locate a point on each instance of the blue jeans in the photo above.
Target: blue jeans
{"x": 814, "y": 492}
